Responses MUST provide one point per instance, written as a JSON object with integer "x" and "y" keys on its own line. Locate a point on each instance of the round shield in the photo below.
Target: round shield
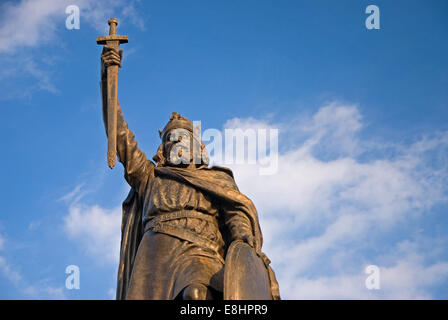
{"x": 245, "y": 274}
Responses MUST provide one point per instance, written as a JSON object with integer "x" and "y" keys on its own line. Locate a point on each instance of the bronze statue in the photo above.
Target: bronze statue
{"x": 187, "y": 232}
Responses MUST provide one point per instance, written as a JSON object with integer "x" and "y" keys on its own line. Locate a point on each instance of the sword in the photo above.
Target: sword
{"x": 112, "y": 40}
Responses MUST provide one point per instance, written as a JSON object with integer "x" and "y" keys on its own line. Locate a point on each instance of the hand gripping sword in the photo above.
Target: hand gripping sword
{"x": 113, "y": 41}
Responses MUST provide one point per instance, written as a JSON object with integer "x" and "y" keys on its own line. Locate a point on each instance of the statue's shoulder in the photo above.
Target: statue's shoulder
{"x": 219, "y": 169}
{"x": 222, "y": 176}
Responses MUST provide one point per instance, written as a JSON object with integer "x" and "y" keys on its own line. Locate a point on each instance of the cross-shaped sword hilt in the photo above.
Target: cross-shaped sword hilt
{"x": 112, "y": 39}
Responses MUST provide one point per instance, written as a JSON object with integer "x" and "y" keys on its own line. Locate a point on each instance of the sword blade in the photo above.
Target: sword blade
{"x": 113, "y": 41}
{"x": 112, "y": 86}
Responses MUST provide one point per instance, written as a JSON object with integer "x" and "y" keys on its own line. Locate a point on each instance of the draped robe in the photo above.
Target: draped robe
{"x": 177, "y": 225}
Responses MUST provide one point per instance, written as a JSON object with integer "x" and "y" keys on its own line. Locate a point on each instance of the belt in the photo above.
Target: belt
{"x": 154, "y": 220}
{"x": 155, "y": 224}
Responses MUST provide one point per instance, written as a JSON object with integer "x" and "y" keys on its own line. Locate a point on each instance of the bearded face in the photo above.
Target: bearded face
{"x": 177, "y": 147}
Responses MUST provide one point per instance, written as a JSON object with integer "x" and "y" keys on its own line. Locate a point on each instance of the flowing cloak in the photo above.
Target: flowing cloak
{"x": 204, "y": 179}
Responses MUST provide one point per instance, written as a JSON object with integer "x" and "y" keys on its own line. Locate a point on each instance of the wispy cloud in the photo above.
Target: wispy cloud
{"x": 409, "y": 277}
{"x": 42, "y": 290}
{"x": 334, "y": 190}
{"x": 2, "y": 241}
{"x": 5, "y": 268}
{"x": 33, "y": 23}
{"x": 96, "y": 229}
{"x": 30, "y": 25}
{"x": 9, "y": 272}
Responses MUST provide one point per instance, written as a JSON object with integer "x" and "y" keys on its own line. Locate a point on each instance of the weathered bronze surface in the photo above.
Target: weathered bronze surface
{"x": 246, "y": 276}
{"x": 182, "y": 216}
{"x": 111, "y": 42}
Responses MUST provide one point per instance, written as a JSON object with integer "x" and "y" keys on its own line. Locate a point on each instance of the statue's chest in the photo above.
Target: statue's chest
{"x": 169, "y": 194}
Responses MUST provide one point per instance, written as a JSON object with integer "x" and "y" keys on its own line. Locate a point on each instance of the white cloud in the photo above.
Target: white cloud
{"x": 95, "y": 228}
{"x": 75, "y": 195}
{"x": 327, "y": 196}
{"x": 32, "y": 23}
{"x": 55, "y": 293}
{"x": 8, "y": 271}
{"x": 44, "y": 291}
{"x": 407, "y": 278}
{"x": 28, "y": 23}
{"x": 13, "y": 275}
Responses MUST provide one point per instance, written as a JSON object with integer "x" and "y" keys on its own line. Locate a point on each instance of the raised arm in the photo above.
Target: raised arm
{"x": 138, "y": 169}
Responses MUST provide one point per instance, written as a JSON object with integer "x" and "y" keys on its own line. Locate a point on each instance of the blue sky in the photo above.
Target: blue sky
{"x": 363, "y": 134}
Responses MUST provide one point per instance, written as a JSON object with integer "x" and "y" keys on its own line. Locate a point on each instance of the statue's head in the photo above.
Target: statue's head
{"x": 181, "y": 144}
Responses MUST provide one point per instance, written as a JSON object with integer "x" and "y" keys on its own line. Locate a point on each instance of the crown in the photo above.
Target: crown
{"x": 176, "y": 121}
